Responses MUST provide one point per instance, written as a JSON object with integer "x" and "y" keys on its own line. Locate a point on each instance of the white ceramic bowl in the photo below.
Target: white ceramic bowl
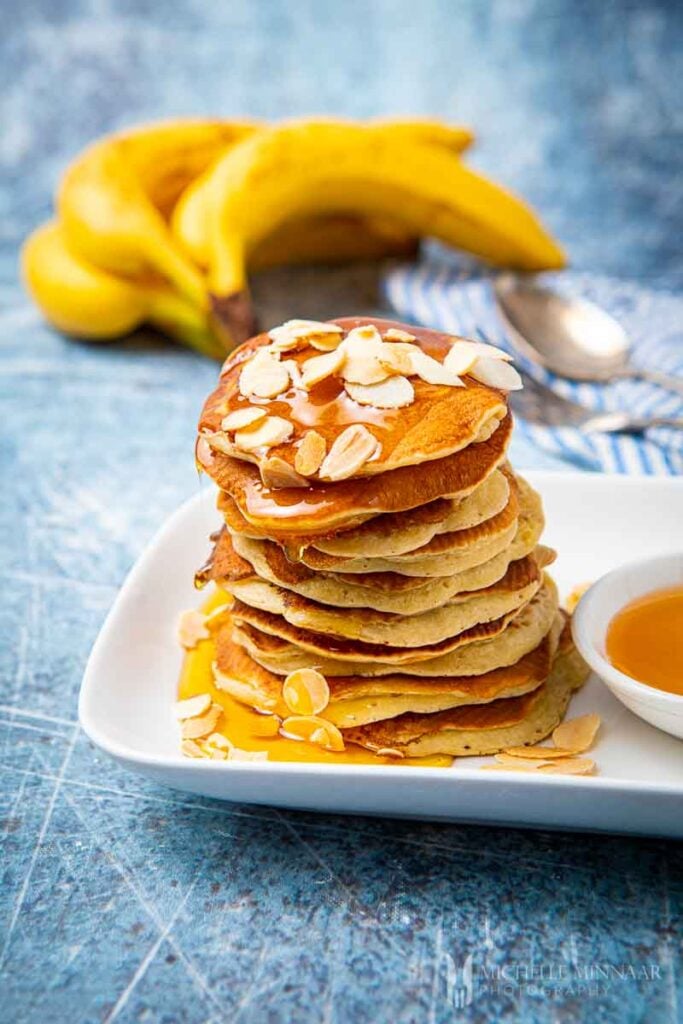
{"x": 590, "y": 621}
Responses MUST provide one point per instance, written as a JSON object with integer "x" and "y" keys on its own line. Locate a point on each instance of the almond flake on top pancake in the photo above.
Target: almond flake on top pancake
{"x": 515, "y": 589}
{"x": 322, "y": 508}
{"x": 485, "y": 728}
{"x": 521, "y": 634}
{"x": 439, "y": 421}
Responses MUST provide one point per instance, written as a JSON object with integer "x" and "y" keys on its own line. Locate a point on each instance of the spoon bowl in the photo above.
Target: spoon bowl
{"x": 570, "y": 337}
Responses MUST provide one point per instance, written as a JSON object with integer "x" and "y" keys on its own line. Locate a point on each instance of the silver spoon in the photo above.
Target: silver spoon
{"x": 571, "y": 337}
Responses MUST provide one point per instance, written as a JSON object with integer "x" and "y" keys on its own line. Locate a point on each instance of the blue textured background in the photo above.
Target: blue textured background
{"x": 125, "y": 901}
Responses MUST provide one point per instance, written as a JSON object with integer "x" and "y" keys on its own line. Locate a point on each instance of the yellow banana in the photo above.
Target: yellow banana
{"x": 190, "y": 218}
{"x": 332, "y": 240}
{"x": 86, "y": 302}
{"x": 309, "y": 169}
{"x": 115, "y": 197}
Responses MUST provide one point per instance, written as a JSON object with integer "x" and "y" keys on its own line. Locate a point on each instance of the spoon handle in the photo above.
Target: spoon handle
{"x": 664, "y": 380}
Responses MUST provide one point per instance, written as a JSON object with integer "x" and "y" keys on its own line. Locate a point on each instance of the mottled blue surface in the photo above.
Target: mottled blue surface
{"x": 122, "y": 900}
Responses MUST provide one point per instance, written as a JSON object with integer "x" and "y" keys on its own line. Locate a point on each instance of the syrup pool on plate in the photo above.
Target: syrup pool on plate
{"x": 252, "y": 730}
{"x": 645, "y": 639}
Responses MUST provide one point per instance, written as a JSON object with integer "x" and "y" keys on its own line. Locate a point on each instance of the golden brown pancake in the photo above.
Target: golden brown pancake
{"x": 515, "y": 589}
{"x": 484, "y": 728}
{"x": 324, "y": 508}
{"x": 521, "y": 634}
{"x": 439, "y": 421}
{"x": 357, "y": 700}
{"x": 384, "y": 592}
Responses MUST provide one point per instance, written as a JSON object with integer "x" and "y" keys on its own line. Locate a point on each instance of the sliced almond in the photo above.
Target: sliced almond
{"x": 194, "y": 728}
{"x": 389, "y": 751}
{"x": 236, "y": 754}
{"x": 496, "y": 373}
{"x": 192, "y": 629}
{"x": 191, "y": 749}
{"x": 395, "y": 334}
{"x": 431, "y": 370}
{"x": 269, "y": 432}
{"x": 241, "y": 418}
{"x": 463, "y": 355}
{"x": 349, "y": 453}
{"x": 517, "y": 762}
{"x": 578, "y": 733}
{"x": 313, "y": 730}
{"x": 294, "y": 333}
{"x": 264, "y": 375}
{"x": 310, "y": 453}
{"x": 570, "y": 766}
{"x": 294, "y": 372}
{"x": 192, "y": 707}
{"x": 396, "y": 359}
{"x": 276, "y": 474}
{"x": 392, "y": 393}
{"x": 215, "y": 753}
{"x": 217, "y": 617}
{"x": 363, "y": 348}
{"x": 217, "y": 739}
{"x": 305, "y": 692}
{"x": 317, "y": 368}
{"x": 219, "y": 442}
{"x": 538, "y": 753}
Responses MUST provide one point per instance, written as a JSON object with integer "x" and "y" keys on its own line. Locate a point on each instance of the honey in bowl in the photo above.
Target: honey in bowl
{"x": 645, "y": 639}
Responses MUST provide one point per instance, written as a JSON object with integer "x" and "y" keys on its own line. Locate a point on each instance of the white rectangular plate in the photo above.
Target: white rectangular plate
{"x": 595, "y": 523}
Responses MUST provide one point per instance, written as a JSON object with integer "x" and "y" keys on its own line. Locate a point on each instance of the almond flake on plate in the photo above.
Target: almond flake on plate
{"x": 317, "y": 368}
{"x": 577, "y": 734}
{"x": 192, "y": 707}
{"x": 392, "y": 393}
{"x": 191, "y": 749}
{"x": 263, "y": 375}
{"x": 241, "y": 418}
{"x": 267, "y": 433}
{"x": 202, "y": 725}
{"x": 496, "y": 373}
{"x": 395, "y": 334}
{"x": 310, "y": 453}
{"x": 314, "y": 730}
{"x": 570, "y": 766}
{"x": 237, "y": 754}
{"x": 192, "y": 629}
{"x": 538, "y": 753}
{"x": 276, "y": 473}
{"x": 463, "y": 354}
{"x": 305, "y": 692}
{"x": 351, "y": 450}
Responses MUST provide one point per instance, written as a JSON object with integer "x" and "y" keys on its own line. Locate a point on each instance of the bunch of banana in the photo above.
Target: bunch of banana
{"x": 163, "y": 224}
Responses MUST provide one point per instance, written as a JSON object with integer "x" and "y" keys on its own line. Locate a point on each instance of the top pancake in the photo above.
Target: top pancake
{"x": 282, "y": 513}
{"x": 439, "y": 421}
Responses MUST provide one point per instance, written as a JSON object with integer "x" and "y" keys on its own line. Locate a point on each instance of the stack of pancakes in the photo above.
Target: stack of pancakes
{"x": 395, "y": 551}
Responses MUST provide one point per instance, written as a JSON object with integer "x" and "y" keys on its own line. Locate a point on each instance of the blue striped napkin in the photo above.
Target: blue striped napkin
{"x": 459, "y": 299}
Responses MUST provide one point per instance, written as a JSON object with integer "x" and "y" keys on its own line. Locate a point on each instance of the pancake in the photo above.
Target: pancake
{"x": 239, "y": 558}
{"x": 439, "y": 421}
{"x": 515, "y": 589}
{"x": 482, "y": 729}
{"x": 357, "y": 700}
{"x": 400, "y": 532}
{"x": 519, "y": 635}
{"x": 490, "y": 536}
{"x": 325, "y": 508}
